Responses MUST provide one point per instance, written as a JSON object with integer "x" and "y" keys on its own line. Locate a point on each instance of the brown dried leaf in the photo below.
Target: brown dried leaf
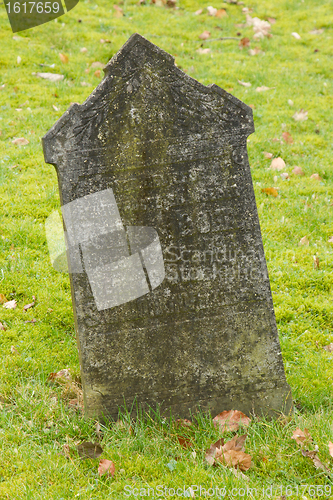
{"x": 244, "y": 42}
{"x": 264, "y": 88}
{"x": 236, "y": 443}
{"x": 211, "y": 11}
{"x": 62, "y": 375}
{"x": 271, "y": 20}
{"x": 118, "y": 11}
{"x": 330, "y": 448}
{"x": 304, "y": 241}
{"x": 205, "y": 35}
{"x": 97, "y": 73}
{"x": 221, "y": 13}
{"x": 316, "y": 462}
{"x": 2, "y": 298}
{"x": 328, "y": 348}
{"x": 2, "y": 327}
{"x": 83, "y": 50}
{"x": 330, "y": 240}
{"x": 20, "y": 141}
{"x": 214, "y": 451}
{"x": 52, "y": 77}
{"x": 231, "y": 420}
{"x": 316, "y": 262}
{"x": 13, "y": 350}
{"x": 11, "y": 304}
{"x": 300, "y": 116}
{"x": 236, "y": 459}
{"x": 278, "y": 164}
{"x": 301, "y": 437}
{"x": 106, "y": 467}
{"x": 63, "y": 58}
{"x": 198, "y": 12}
{"x": 183, "y": 422}
{"x": 270, "y": 191}
{"x": 268, "y": 155}
{"x": 245, "y": 84}
{"x": 184, "y": 442}
{"x": 89, "y": 450}
{"x": 298, "y": 171}
{"x": 106, "y": 40}
{"x": 316, "y": 177}
{"x": 287, "y": 138}
{"x": 28, "y": 306}
{"x": 203, "y": 51}
{"x": 284, "y": 176}
{"x": 255, "y": 51}
{"x": 97, "y": 64}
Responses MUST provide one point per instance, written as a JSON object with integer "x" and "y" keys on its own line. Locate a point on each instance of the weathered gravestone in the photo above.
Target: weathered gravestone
{"x": 170, "y": 290}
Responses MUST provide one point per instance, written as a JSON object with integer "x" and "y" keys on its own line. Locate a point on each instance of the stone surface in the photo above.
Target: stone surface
{"x": 171, "y": 296}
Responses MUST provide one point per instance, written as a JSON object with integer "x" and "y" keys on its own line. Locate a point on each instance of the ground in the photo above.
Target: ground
{"x": 39, "y": 428}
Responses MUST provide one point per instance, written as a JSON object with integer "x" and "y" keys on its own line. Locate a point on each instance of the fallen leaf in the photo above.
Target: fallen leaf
{"x": 316, "y": 462}
{"x": 118, "y": 11}
{"x": 271, "y": 191}
{"x": 268, "y": 155}
{"x": 271, "y": 20}
{"x": 328, "y": 348}
{"x": 284, "y": 176}
{"x": 214, "y": 451}
{"x": 244, "y": 42}
{"x": 261, "y": 28}
{"x": 330, "y": 240}
{"x": 106, "y": 467}
{"x": 18, "y": 38}
{"x": 2, "y": 327}
{"x": 255, "y": 51}
{"x": 97, "y": 73}
{"x": 11, "y": 304}
{"x": 298, "y": 171}
{"x": 85, "y": 84}
{"x": 83, "y": 50}
{"x": 205, "y": 35}
{"x": 20, "y": 141}
{"x": 13, "y": 350}
{"x": 263, "y": 88}
{"x": 52, "y": 77}
{"x": 236, "y": 443}
{"x": 317, "y": 32}
{"x": 245, "y": 84}
{"x": 98, "y": 430}
{"x": 97, "y": 64}
{"x": 211, "y": 11}
{"x": 330, "y": 448}
{"x": 2, "y": 298}
{"x": 31, "y": 321}
{"x": 106, "y": 40}
{"x": 203, "y": 51}
{"x": 278, "y": 164}
{"x": 316, "y": 262}
{"x": 185, "y": 443}
{"x": 28, "y": 306}
{"x": 304, "y": 241}
{"x": 89, "y": 450}
{"x": 63, "y": 58}
{"x": 301, "y": 437}
{"x": 198, "y": 12}
{"x": 300, "y": 116}
{"x": 287, "y": 138}
{"x": 316, "y": 177}
{"x": 296, "y": 35}
{"x": 55, "y": 107}
{"x": 221, "y": 13}
{"x": 231, "y": 420}
{"x": 290, "y": 102}
{"x": 62, "y": 374}
{"x": 183, "y": 422}
{"x": 237, "y": 459}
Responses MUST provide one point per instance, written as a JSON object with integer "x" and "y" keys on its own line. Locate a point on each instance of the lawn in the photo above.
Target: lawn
{"x": 40, "y": 425}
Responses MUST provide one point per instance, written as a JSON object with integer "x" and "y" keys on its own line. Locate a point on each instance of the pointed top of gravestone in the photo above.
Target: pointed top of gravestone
{"x": 141, "y": 60}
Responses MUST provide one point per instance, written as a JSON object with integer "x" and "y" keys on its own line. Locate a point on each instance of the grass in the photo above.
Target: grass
{"x": 36, "y": 420}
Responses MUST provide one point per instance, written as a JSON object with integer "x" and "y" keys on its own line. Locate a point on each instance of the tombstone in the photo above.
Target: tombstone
{"x": 171, "y": 297}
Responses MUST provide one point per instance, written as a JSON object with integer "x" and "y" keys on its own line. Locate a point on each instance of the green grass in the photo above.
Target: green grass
{"x": 36, "y": 421}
